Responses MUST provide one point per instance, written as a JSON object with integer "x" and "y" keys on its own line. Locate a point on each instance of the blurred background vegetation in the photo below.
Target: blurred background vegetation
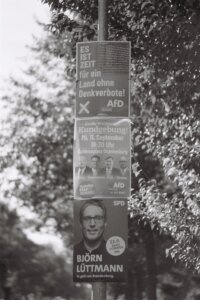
{"x": 36, "y": 145}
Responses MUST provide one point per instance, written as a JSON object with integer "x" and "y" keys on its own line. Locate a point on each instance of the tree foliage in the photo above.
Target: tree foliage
{"x": 26, "y": 268}
{"x": 165, "y": 111}
{"x": 37, "y": 145}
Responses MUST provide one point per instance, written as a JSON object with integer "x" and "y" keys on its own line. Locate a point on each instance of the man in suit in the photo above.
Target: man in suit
{"x": 95, "y": 163}
{"x": 123, "y": 164}
{"x": 109, "y": 169}
{"x": 91, "y": 252}
{"x": 83, "y": 170}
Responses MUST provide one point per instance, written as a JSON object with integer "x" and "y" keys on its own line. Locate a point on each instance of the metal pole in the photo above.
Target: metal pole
{"x": 103, "y": 20}
{"x": 99, "y": 288}
{"x": 99, "y": 291}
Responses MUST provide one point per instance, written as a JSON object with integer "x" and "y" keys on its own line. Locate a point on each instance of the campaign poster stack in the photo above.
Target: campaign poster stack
{"x": 101, "y": 162}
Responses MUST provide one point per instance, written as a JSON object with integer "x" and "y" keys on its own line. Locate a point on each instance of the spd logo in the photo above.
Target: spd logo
{"x": 119, "y": 203}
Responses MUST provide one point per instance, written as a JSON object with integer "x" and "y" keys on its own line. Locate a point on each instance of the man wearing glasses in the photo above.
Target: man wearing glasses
{"x": 93, "y": 223}
{"x": 91, "y": 260}
{"x": 90, "y": 255}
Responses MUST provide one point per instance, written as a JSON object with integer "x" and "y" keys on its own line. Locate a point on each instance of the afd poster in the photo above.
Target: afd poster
{"x": 102, "y": 158}
{"x": 100, "y": 240}
{"x": 103, "y": 74}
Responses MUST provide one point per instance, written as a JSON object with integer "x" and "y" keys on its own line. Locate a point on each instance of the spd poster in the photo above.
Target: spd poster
{"x": 100, "y": 240}
{"x": 102, "y": 158}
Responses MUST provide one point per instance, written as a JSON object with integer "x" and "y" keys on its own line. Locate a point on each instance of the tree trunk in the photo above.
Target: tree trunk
{"x": 7, "y": 293}
{"x": 139, "y": 283}
{"x": 3, "y": 274}
{"x": 150, "y": 264}
{"x": 130, "y": 291}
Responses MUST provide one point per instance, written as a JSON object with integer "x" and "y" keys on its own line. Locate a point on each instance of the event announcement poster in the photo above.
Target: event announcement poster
{"x": 102, "y": 158}
{"x": 100, "y": 240}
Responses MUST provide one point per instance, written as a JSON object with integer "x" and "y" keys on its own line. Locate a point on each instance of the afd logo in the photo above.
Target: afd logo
{"x": 115, "y": 103}
{"x": 119, "y": 185}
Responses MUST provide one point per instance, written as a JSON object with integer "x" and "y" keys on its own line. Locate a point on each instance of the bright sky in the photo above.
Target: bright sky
{"x": 17, "y": 25}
